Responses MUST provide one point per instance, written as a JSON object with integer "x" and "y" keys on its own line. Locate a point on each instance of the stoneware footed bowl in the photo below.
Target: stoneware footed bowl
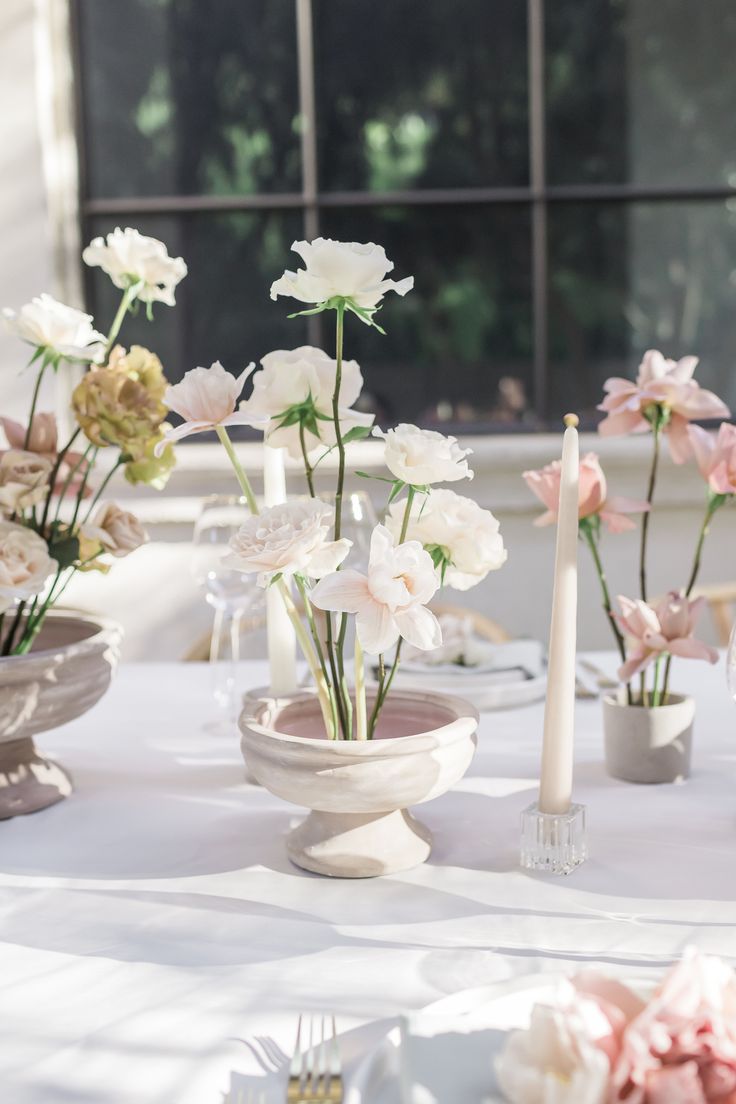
{"x": 359, "y": 791}
{"x": 65, "y": 674}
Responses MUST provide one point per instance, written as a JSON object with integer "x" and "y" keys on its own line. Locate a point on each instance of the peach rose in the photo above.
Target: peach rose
{"x": 715, "y": 455}
{"x": 24, "y": 479}
{"x": 592, "y": 495}
{"x": 25, "y": 564}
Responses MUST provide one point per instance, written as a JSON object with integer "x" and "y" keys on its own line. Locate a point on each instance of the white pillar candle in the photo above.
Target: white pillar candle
{"x": 555, "y": 789}
{"x": 280, "y": 631}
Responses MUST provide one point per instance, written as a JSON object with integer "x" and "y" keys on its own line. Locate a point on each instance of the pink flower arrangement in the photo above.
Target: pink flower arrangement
{"x": 715, "y": 455}
{"x": 662, "y": 388}
{"x": 666, "y": 628}
{"x": 593, "y": 495}
{"x": 677, "y": 1048}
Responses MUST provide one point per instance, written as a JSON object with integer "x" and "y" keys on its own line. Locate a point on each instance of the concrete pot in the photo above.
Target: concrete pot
{"x": 648, "y": 745}
{"x": 67, "y": 671}
{"x": 359, "y": 791}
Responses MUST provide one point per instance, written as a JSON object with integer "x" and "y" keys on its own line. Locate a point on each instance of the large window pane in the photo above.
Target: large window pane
{"x": 641, "y": 92}
{"x": 186, "y": 97}
{"x": 628, "y": 277}
{"x": 223, "y": 310}
{"x": 458, "y": 348}
{"x": 412, "y": 95}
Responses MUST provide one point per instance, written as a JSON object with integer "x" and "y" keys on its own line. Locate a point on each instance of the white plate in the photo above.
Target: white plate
{"x": 487, "y": 1014}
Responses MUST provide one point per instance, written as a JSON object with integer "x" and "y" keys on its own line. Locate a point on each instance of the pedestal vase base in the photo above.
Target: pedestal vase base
{"x": 359, "y": 845}
{"x": 28, "y": 781}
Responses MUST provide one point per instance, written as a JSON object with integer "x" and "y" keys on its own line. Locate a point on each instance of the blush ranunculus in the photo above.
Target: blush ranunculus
{"x": 206, "y": 398}
{"x": 390, "y": 601}
{"x": 118, "y": 531}
{"x": 715, "y": 455}
{"x": 667, "y": 628}
{"x": 592, "y": 495}
{"x": 24, "y": 480}
{"x": 25, "y": 564}
{"x": 659, "y": 383}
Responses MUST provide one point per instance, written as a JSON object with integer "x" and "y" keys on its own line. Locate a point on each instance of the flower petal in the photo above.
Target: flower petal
{"x": 344, "y": 592}
{"x": 328, "y": 558}
{"x": 376, "y": 628}
{"x": 420, "y": 627}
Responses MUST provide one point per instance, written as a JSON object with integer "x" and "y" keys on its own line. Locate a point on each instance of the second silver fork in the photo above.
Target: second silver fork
{"x": 315, "y": 1074}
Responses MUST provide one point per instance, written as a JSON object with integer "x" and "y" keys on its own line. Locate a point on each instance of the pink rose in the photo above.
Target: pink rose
{"x": 681, "y": 1049}
{"x": 715, "y": 455}
{"x": 668, "y": 628}
{"x": 592, "y": 495}
{"x": 664, "y": 383}
{"x": 43, "y": 440}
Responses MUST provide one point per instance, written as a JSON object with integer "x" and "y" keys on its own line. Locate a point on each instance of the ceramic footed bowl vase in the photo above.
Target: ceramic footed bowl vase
{"x": 67, "y": 671}
{"x": 648, "y": 745}
{"x": 359, "y": 791}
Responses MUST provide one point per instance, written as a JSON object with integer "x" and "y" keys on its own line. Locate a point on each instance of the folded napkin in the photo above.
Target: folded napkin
{"x": 448, "y": 1060}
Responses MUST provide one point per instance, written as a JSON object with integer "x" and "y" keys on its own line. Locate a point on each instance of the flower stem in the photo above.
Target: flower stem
{"x": 332, "y": 728}
{"x": 96, "y": 496}
{"x": 655, "y": 684}
{"x": 308, "y": 469}
{"x": 339, "y": 328}
{"x": 129, "y": 296}
{"x": 361, "y": 724}
{"x": 589, "y": 537}
{"x": 645, "y": 517}
{"x": 34, "y": 401}
{"x": 407, "y": 514}
{"x": 80, "y": 492}
{"x": 242, "y": 478}
{"x": 67, "y": 482}
{"x": 379, "y": 696}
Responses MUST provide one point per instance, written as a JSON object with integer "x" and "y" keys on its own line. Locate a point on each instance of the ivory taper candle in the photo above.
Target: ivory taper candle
{"x": 279, "y": 629}
{"x": 555, "y": 788}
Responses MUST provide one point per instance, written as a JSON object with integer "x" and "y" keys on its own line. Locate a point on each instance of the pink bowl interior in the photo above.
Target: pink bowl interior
{"x": 399, "y": 717}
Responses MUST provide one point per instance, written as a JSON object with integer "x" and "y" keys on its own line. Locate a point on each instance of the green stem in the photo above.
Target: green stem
{"x": 361, "y": 726}
{"x": 238, "y": 469}
{"x": 645, "y": 518}
{"x": 67, "y": 482}
{"x": 332, "y": 732}
{"x": 52, "y": 477}
{"x": 308, "y": 469}
{"x": 407, "y": 514}
{"x": 9, "y": 639}
{"x": 379, "y": 695}
{"x": 96, "y": 497}
{"x": 34, "y": 400}
{"x": 80, "y": 492}
{"x": 129, "y": 296}
{"x": 340, "y": 312}
{"x": 330, "y": 644}
{"x": 655, "y": 684}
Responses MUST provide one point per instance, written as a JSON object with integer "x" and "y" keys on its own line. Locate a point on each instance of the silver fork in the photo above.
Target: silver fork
{"x": 315, "y": 1075}
{"x": 251, "y": 1097}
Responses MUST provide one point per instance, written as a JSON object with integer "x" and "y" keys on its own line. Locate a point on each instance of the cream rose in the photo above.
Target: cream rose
{"x": 62, "y": 330}
{"x": 118, "y": 531}
{"x": 354, "y": 271}
{"x": 24, "y": 478}
{"x": 287, "y": 540}
{"x": 295, "y": 377}
{"x": 129, "y": 257}
{"x": 25, "y": 564}
{"x": 469, "y": 536}
{"x": 423, "y": 456}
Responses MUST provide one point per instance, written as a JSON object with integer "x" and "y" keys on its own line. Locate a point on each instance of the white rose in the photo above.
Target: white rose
{"x": 289, "y": 378}
{"x": 469, "y": 535}
{"x": 25, "y": 564}
{"x": 346, "y": 270}
{"x": 24, "y": 478}
{"x": 118, "y": 531}
{"x": 128, "y": 257}
{"x": 556, "y": 1060}
{"x": 286, "y": 540}
{"x": 423, "y": 456}
{"x": 62, "y": 330}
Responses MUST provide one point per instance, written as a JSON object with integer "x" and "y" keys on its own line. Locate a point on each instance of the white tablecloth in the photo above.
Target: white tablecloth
{"x": 151, "y": 924}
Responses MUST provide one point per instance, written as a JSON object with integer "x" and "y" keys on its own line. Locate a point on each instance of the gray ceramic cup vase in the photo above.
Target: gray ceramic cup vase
{"x": 648, "y": 745}
{"x": 66, "y": 673}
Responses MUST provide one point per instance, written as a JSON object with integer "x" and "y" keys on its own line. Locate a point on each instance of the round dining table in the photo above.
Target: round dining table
{"x": 158, "y": 946}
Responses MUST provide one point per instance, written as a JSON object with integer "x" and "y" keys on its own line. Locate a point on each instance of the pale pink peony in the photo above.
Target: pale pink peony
{"x": 592, "y": 495}
{"x": 206, "y": 398}
{"x": 668, "y": 628}
{"x": 681, "y": 1049}
{"x": 715, "y": 455}
{"x": 43, "y": 440}
{"x": 390, "y": 601}
{"x": 660, "y": 382}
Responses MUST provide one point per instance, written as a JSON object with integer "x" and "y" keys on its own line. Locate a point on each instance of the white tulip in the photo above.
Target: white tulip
{"x": 292, "y": 377}
{"x": 25, "y": 564}
{"x": 354, "y": 271}
{"x": 469, "y": 535}
{"x": 64, "y": 331}
{"x": 129, "y": 257}
{"x": 390, "y": 601}
{"x": 423, "y": 456}
{"x": 289, "y": 539}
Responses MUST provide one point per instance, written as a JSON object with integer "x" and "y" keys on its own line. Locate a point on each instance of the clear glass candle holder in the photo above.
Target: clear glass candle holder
{"x": 553, "y": 842}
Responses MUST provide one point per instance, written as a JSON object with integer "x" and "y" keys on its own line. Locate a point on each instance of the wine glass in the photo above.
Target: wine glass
{"x": 731, "y": 664}
{"x": 231, "y": 593}
{"x": 358, "y": 522}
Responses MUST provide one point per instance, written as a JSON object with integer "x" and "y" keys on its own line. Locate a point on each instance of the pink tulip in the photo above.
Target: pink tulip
{"x": 43, "y": 440}
{"x": 715, "y": 455}
{"x": 206, "y": 398}
{"x": 681, "y": 1049}
{"x": 666, "y": 629}
{"x": 592, "y": 496}
{"x": 665, "y": 383}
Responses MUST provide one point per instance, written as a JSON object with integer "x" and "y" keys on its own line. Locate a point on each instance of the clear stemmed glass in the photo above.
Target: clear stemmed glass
{"x": 358, "y": 522}
{"x": 231, "y": 594}
{"x": 731, "y": 664}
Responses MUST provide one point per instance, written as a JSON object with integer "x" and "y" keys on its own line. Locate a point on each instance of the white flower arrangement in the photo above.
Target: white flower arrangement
{"x": 304, "y": 400}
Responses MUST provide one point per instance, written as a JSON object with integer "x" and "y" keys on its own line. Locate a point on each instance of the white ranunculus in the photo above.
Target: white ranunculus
{"x": 390, "y": 601}
{"x": 62, "y": 330}
{"x": 118, "y": 531}
{"x": 287, "y": 540}
{"x": 348, "y": 270}
{"x": 469, "y": 535}
{"x": 25, "y": 564}
{"x": 289, "y": 378}
{"x": 24, "y": 479}
{"x": 423, "y": 456}
{"x": 556, "y": 1060}
{"x": 129, "y": 257}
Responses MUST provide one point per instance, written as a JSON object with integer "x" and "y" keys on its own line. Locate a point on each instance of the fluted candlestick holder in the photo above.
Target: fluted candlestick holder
{"x": 553, "y": 842}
